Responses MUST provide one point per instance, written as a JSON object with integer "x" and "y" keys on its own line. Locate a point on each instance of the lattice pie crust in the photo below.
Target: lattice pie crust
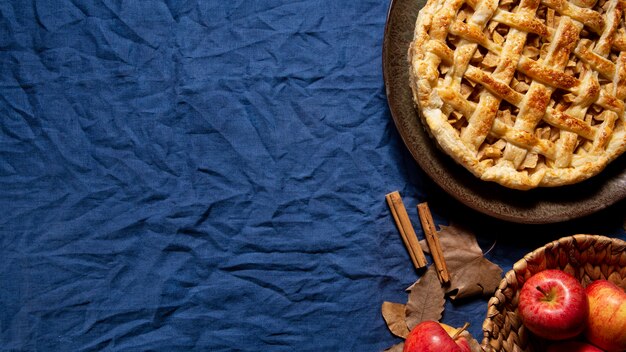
{"x": 524, "y": 93}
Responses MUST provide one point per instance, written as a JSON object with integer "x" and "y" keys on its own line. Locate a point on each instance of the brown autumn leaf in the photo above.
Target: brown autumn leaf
{"x": 426, "y": 299}
{"x": 395, "y": 317}
{"x": 396, "y": 348}
{"x": 471, "y": 274}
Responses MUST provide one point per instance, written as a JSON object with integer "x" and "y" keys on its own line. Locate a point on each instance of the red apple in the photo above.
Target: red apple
{"x": 430, "y": 336}
{"x": 606, "y": 324}
{"x": 572, "y": 346}
{"x": 457, "y": 336}
{"x": 553, "y": 305}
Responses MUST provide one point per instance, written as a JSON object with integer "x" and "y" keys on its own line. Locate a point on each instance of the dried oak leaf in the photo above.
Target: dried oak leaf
{"x": 395, "y": 317}
{"x": 426, "y": 299}
{"x": 396, "y": 348}
{"x": 471, "y": 274}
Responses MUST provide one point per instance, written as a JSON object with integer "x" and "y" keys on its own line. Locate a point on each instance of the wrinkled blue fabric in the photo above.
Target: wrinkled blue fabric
{"x": 207, "y": 175}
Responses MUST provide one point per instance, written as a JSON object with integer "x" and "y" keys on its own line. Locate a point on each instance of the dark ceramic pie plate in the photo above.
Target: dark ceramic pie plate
{"x": 537, "y": 206}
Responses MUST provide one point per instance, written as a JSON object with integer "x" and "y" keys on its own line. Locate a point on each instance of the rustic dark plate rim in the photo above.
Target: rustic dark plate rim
{"x": 538, "y": 206}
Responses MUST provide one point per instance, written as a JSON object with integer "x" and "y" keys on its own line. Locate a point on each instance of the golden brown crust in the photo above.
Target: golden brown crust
{"x": 526, "y": 93}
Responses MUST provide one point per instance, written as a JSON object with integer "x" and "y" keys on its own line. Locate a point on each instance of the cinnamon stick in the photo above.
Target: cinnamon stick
{"x": 406, "y": 230}
{"x": 432, "y": 239}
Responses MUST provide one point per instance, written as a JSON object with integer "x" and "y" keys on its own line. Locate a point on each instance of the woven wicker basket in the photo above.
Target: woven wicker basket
{"x": 587, "y": 257}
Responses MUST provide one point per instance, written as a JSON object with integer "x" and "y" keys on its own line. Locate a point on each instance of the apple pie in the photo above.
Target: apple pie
{"x": 525, "y": 93}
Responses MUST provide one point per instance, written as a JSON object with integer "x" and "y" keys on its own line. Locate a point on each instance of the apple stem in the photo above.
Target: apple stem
{"x": 460, "y": 330}
{"x": 545, "y": 294}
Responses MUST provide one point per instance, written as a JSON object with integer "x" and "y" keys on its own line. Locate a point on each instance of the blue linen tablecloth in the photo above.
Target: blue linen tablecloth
{"x": 210, "y": 176}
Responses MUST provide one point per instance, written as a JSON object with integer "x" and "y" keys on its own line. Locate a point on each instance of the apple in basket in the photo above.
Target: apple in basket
{"x": 606, "y": 324}
{"x": 573, "y": 346}
{"x": 553, "y": 305}
{"x": 430, "y": 336}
